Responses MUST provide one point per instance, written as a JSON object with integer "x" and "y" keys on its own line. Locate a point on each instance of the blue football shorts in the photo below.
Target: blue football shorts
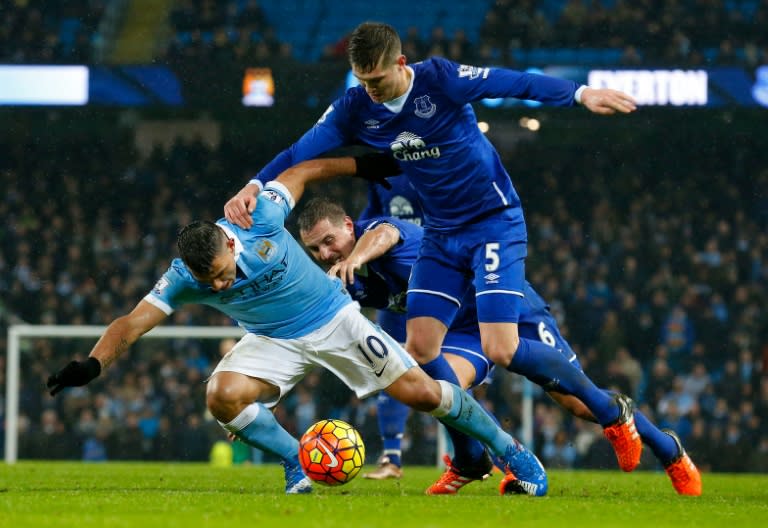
{"x": 489, "y": 254}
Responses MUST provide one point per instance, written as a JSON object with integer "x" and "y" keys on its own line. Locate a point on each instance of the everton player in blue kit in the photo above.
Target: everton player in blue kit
{"x": 400, "y": 201}
{"x": 373, "y": 256}
{"x": 475, "y": 232}
{"x": 296, "y": 318}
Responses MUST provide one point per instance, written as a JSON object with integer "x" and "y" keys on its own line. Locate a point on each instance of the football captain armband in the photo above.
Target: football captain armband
{"x": 257, "y": 181}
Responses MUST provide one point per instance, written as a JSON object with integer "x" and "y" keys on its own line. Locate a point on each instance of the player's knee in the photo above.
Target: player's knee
{"x": 421, "y": 349}
{"x": 223, "y": 400}
{"x": 501, "y": 351}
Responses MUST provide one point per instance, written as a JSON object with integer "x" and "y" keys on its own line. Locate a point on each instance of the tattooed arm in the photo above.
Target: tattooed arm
{"x": 118, "y": 336}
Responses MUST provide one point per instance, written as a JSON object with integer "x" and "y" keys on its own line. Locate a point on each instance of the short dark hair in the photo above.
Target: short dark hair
{"x": 369, "y": 42}
{"x": 318, "y": 208}
{"x": 199, "y": 243}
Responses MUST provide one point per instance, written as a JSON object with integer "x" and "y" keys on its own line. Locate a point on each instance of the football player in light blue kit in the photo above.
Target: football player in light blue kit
{"x": 296, "y": 318}
{"x": 474, "y": 229}
{"x": 374, "y": 257}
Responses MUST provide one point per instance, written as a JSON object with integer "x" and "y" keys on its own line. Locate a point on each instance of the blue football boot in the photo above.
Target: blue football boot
{"x": 296, "y": 481}
{"x": 524, "y": 473}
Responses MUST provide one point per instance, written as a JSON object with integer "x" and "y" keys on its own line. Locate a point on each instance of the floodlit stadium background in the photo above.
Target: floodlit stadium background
{"x": 125, "y": 119}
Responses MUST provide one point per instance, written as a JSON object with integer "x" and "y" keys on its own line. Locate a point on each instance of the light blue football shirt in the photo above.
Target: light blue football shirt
{"x": 284, "y": 294}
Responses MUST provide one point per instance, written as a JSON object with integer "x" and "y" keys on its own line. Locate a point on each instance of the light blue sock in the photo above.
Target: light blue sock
{"x": 257, "y": 427}
{"x": 466, "y": 450}
{"x": 461, "y": 411}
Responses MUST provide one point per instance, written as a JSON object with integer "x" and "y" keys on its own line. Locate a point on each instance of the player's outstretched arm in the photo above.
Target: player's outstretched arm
{"x": 119, "y": 335}
{"x": 239, "y": 208}
{"x": 607, "y": 101}
{"x": 297, "y": 177}
{"x": 370, "y": 246}
{"x": 374, "y": 167}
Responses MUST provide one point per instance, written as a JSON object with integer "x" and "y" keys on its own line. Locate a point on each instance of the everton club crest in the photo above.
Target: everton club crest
{"x": 424, "y": 107}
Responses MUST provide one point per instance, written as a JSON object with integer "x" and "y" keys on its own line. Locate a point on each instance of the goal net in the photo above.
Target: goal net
{"x": 18, "y": 333}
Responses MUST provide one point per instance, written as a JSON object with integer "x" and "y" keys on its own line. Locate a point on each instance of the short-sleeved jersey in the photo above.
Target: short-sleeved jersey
{"x": 280, "y": 292}
{"x": 434, "y": 136}
{"x": 383, "y": 282}
{"x": 401, "y": 201}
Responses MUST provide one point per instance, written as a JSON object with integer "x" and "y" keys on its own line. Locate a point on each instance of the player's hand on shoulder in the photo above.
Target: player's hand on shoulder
{"x": 75, "y": 374}
{"x": 607, "y": 101}
{"x": 239, "y": 208}
{"x": 345, "y": 270}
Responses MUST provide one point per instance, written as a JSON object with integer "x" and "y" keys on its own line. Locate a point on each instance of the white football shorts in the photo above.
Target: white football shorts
{"x": 353, "y": 348}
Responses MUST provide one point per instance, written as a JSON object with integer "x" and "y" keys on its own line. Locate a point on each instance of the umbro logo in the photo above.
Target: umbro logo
{"x": 491, "y": 278}
{"x": 372, "y": 123}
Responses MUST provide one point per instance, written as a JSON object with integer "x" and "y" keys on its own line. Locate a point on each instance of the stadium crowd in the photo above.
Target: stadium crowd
{"x": 682, "y": 33}
{"x": 657, "y": 279}
{"x": 41, "y": 32}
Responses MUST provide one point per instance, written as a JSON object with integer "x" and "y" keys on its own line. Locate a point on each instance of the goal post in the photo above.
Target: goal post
{"x": 16, "y": 333}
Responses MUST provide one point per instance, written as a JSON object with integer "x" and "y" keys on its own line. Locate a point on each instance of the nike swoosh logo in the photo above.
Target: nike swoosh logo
{"x": 334, "y": 461}
{"x": 379, "y": 373}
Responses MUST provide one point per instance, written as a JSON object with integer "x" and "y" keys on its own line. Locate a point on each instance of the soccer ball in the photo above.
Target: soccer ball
{"x": 331, "y": 452}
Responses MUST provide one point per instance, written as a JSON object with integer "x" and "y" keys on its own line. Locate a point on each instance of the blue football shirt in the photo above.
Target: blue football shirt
{"x": 432, "y": 132}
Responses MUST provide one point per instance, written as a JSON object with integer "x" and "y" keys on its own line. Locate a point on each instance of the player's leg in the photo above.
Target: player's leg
{"x": 499, "y": 283}
{"x": 435, "y": 290}
{"x": 537, "y": 323}
{"x": 465, "y": 466}
{"x": 438, "y": 284}
{"x": 368, "y": 360}
{"x": 246, "y": 383}
{"x": 458, "y": 409}
{"x": 391, "y": 415}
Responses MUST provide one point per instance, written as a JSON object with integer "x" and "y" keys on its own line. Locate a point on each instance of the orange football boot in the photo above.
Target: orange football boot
{"x": 623, "y": 435}
{"x": 683, "y": 473}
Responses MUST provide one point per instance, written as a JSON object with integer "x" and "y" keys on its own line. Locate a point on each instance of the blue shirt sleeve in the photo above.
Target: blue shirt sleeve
{"x": 466, "y": 84}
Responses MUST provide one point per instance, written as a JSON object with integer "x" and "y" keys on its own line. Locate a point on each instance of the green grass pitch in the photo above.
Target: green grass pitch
{"x": 56, "y": 494}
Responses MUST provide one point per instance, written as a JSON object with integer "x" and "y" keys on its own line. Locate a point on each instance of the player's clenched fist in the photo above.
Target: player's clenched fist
{"x": 75, "y": 374}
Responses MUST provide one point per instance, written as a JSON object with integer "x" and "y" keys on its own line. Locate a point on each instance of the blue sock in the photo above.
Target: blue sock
{"x": 662, "y": 445}
{"x": 257, "y": 427}
{"x": 468, "y": 416}
{"x": 547, "y": 367}
{"x": 440, "y": 369}
{"x": 466, "y": 449}
{"x": 392, "y": 416}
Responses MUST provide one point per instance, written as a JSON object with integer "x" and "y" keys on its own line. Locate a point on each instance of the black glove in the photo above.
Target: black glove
{"x": 75, "y": 374}
{"x": 376, "y": 167}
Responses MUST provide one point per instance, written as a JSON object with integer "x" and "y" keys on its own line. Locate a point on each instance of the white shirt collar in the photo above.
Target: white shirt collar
{"x": 396, "y": 104}
{"x": 238, "y": 244}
